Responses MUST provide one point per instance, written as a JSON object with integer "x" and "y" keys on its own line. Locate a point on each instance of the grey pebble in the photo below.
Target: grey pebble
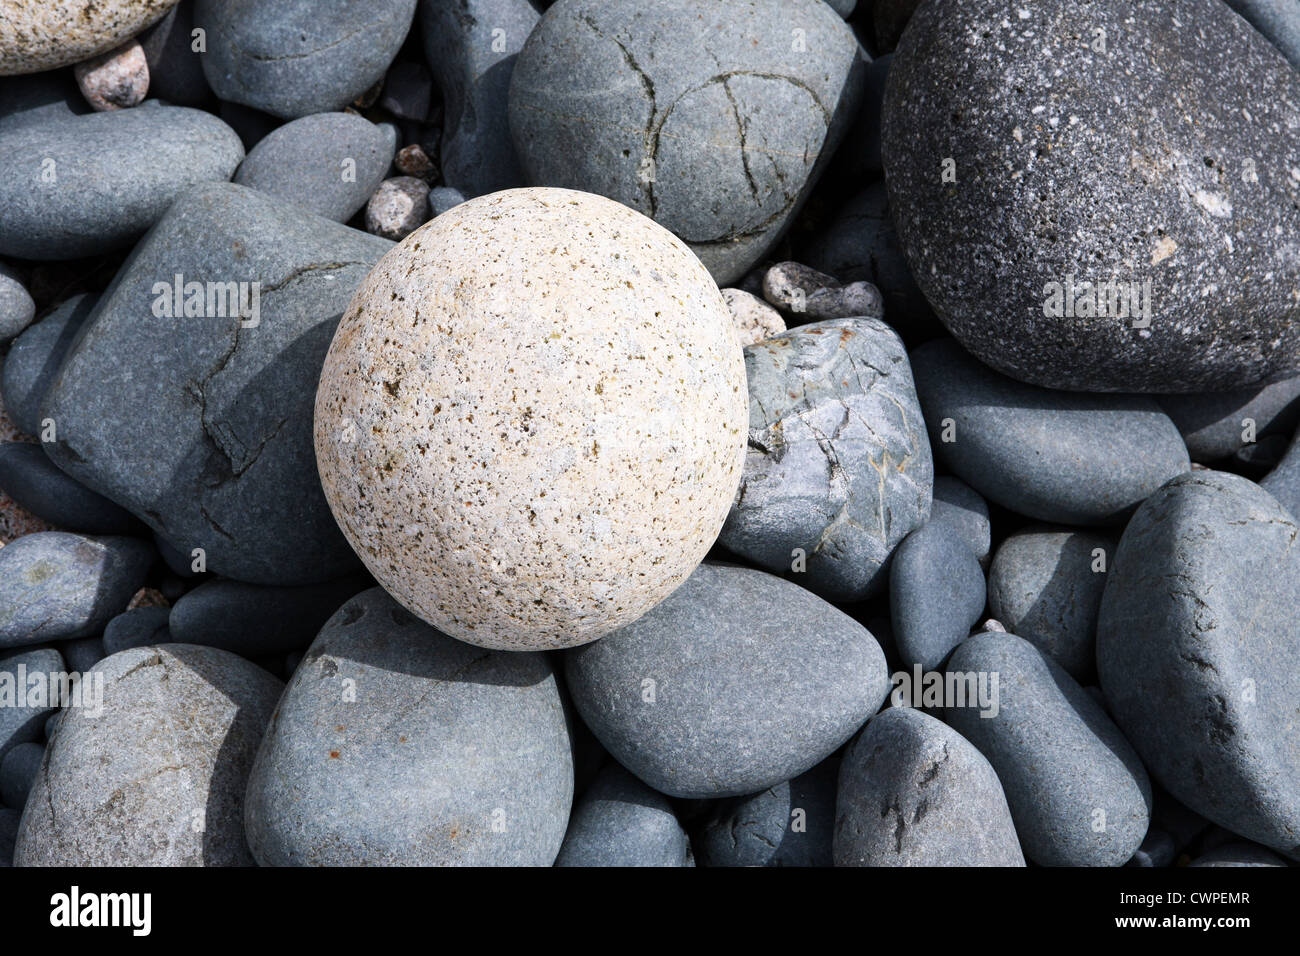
{"x": 1216, "y": 425}
{"x": 16, "y": 306}
{"x": 35, "y": 357}
{"x": 29, "y": 477}
{"x": 22, "y": 719}
{"x": 138, "y": 627}
{"x": 398, "y": 207}
{"x": 964, "y": 509}
{"x": 806, "y": 295}
{"x": 619, "y": 821}
{"x": 936, "y": 594}
{"x": 18, "y": 773}
{"x": 1239, "y": 854}
{"x": 791, "y": 823}
{"x": 442, "y": 198}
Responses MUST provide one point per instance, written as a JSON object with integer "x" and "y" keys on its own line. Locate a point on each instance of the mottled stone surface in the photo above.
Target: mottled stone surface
{"x": 755, "y": 319}
{"x": 705, "y": 116}
{"x": 914, "y": 792}
{"x": 620, "y": 821}
{"x": 115, "y": 80}
{"x": 157, "y": 778}
{"x": 1279, "y": 20}
{"x": 396, "y": 745}
{"x": 838, "y": 463}
{"x": 1162, "y": 151}
{"x": 53, "y": 33}
{"x": 788, "y": 824}
{"x": 1200, "y": 602}
{"x": 530, "y": 423}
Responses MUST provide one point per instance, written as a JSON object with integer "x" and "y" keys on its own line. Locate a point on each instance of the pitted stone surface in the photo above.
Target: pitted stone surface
{"x": 53, "y": 33}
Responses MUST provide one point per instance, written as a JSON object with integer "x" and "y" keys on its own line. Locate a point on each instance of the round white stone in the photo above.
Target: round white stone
{"x": 532, "y": 420}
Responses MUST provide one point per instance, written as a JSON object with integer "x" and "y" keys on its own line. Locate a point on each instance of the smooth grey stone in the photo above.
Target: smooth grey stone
{"x": 1283, "y": 482}
{"x": 1157, "y": 850}
{"x": 202, "y": 427}
{"x": 157, "y": 778}
{"x": 175, "y": 68}
{"x": 1213, "y": 423}
{"x": 1045, "y": 585}
{"x": 83, "y": 653}
{"x": 461, "y": 41}
{"x": 1278, "y": 20}
{"x": 1068, "y": 457}
{"x": 292, "y": 58}
{"x": 305, "y": 162}
{"x": 39, "y": 98}
{"x": 9, "y": 820}
{"x": 838, "y": 464}
{"x": 35, "y": 357}
{"x": 22, "y": 718}
{"x": 18, "y": 773}
{"x": 705, "y": 115}
{"x": 113, "y": 175}
{"x": 964, "y": 509}
{"x": 251, "y": 620}
{"x": 442, "y": 198}
{"x": 807, "y": 295}
{"x": 789, "y": 824}
{"x": 139, "y": 627}
{"x": 736, "y": 682}
{"x": 1078, "y": 793}
{"x": 1200, "y": 603}
{"x": 1186, "y": 204}
{"x": 914, "y": 792}
{"x": 395, "y": 744}
{"x": 16, "y": 306}
{"x": 1239, "y": 854}
{"x": 936, "y": 594}
{"x": 620, "y": 821}
{"x": 29, "y": 477}
{"x": 55, "y": 586}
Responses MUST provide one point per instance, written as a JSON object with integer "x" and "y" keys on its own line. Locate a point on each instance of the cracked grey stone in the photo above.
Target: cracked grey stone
{"x": 1044, "y": 586}
{"x": 22, "y": 719}
{"x": 914, "y": 792}
{"x": 16, "y": 306}
{"x": 788, "y": 824}
{"x": 201, "y": 426}
{"x": 808, "y": 295}
{"x": 1075, "y": 162}
{"x": 736, "y": 682}
{"x": 18, "y": 772}
{"x": 1283, "y": 482}
{"x": 936, "y": 594}
{"x": 158, "y": 777}
{"x": 86, "y": 185}
{"x": 292, "y": 58}
{"x": 1200, "y": 602}
{"x": 1078, "y": 793}
{"x": 620, "y": 821}
{"x": 448, "y": 754}
{"x": 1214, "y": 425}
{"x": 34, "y": 360}
{"x": 328, "y": 163}
{"x": 1066, "y": 457}
{"x": 964, "y": 509}
{"x": 838, "y": 463}
{"x": 55, "y": 585}
{"x": 472, "y": 46}
{"x": 138, "y": 627}
{"x": 29, "y": 477}
{"x": 175, "y": 67}
{"x": 1278, "y": 20}
{"x": 704, "y": 116}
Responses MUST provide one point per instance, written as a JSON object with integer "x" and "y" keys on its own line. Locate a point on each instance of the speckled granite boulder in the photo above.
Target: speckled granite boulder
{"x": 1200, "y": 602}
{"x": 621, "y": 822}
{"x": 1050, "y": 455}
{"x": 530, "y": 423}
{"x": 838, "y": 467}
{"x": 52, "y": 33}
{"x": 395, "y": 744}
{"x": 85, "y": 185}
{"x": 736, "y": 682}
{"x": 936, "y": 594}
{"x": 201, "y": 425}
{"x": 1078, "y": 793}
{"x": 713, "y": 117}
{"x": 788, "y": 824}
{"x": 1075, "y": 163}
{"x": 914, "y": 792}
{"x": 1216, "y": 425}
{"x": 157, "y": 778}
{"x": 292, "y": 58}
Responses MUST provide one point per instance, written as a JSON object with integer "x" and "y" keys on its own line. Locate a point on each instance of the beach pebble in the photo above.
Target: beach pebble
{"x": 620, "y": 821}
{"x": 16, "y": 306}
{"x": 936, "y": 594}
{"x": 1216, "y": 425}
{"x": 83, "y": 653}
{"x": 1283, "y": 482}
{"x": 1239, "y": 854}
{"x": 18, "y": 773}
{"x": 114, "y": 80}
{"x": 838, "y": 467}
{"x": 1200, "y": 602}
{"x": 914, "y": 792}
{"x": 23, "y": 716}
{"x": 1056, "y": 456}
{"x": 398, "y": 207}
{"x": 530, "y": 423}
{"x": 35, "y": 357}
{"x": 964, "y": 509}
{"x": 788, "y": 824}
{"x": 755, "y": 319}
{"x": 42, "y": 36}
{"x": 807, "y": 295}
{"x": 413, "y": 161}
{"x": 735, "y": 683}
{"x": 140, "y": 627}
{"x": 442, "y": 198}
{"x": 29, "y": 477}
{"x": 157, "y": 778}
{"x": 394, "y": 744}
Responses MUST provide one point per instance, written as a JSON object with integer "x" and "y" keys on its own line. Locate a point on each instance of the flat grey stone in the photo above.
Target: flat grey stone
{"x": 86, "y": 185}
{"x": 22, "y": 719}
{"x": 202, "y": 427}
{"x": 705, "y": 115}
{"x": 914, "y": 792}
{"x": 395, "y": 744}
{"x": 1200, "y": 603}
{"x": 138, "y": 627}
{"x": 328, "y": 163}
{"x": 16, "y": 306}
{"x": 1215, "y": 425}
{"x": 964, "y": 509}
{"x": 292, "y": 58}
{"x": 157, "y": 778}
{"x": 936, "y": 594}
{"x": 18, "y": 773}
{"x": 738, "y": 681}
{"x": 1075, "y": 162}
{"x": 620, "y": 821}
{"x": 1078, "y": 793}
{"x": 55, "y": 586}
{"x": 35, "y": 357}
{"x": 1056, "y": 456}
{"x": 788, "y": 824}
{"x": 838, "y": 465}
{"x": 29, "y": 477}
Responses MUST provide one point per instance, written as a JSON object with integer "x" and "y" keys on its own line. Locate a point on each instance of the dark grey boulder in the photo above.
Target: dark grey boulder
{"x": 620, "y": 821}
{"x": 23, "y": 716}
{"x": 29, "y": 477}
{"x": 1216, "y": 425}
{"x": 35, "y": 357}
{"x": 788, "y": 824}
